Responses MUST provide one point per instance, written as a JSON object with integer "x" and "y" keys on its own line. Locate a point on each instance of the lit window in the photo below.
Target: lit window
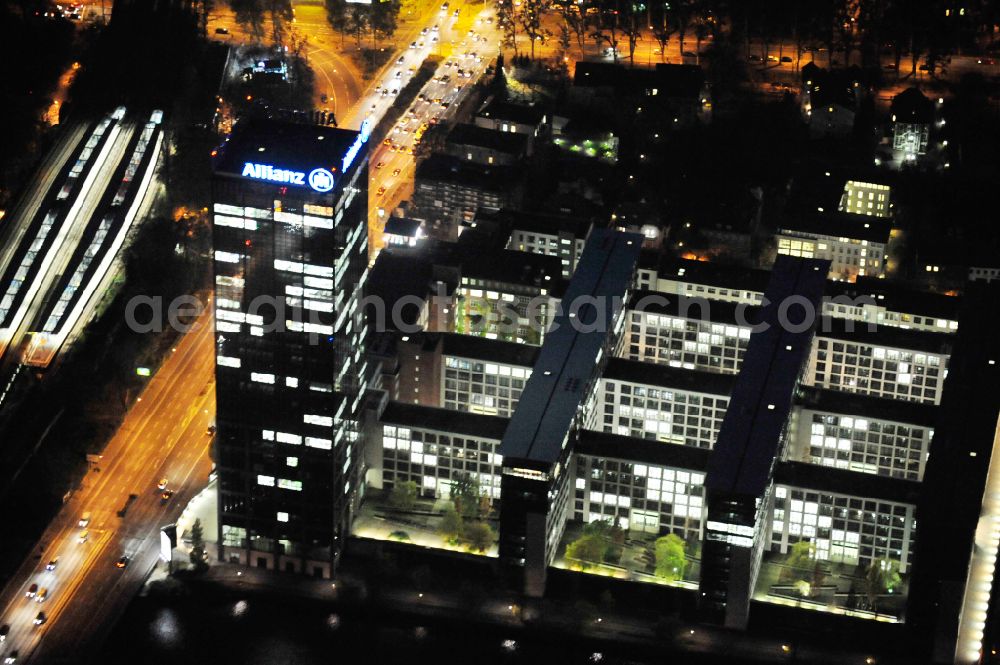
{"x": 282, "y": 517}
{"x": 267, "y": 481}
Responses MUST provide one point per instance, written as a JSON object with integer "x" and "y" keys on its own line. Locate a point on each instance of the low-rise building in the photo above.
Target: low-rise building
{"x": 448, "y": 191}
{"x": 486, "y": 146}
{"x": 853, "y": 246}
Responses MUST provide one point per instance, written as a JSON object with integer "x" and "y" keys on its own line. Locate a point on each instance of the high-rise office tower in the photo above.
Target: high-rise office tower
{"x": 290, "y": 209}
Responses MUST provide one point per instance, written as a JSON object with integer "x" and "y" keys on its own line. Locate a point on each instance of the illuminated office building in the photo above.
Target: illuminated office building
{"x": 290, "y": 208}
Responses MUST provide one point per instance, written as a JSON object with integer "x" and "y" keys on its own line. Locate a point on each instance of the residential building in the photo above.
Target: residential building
{"x": 448, "y": 191}
{"x": 486, "y": 146}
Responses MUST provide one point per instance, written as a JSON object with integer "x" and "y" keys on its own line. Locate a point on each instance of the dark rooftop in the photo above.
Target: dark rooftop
{"x": 912, "y": 106}
{"x": 888, "y": 336}
{"x": 842, "y": 481}
{"x": 445, "y": 168}
{"x": 762, "y": 396}
{"x": 641, "y": 451}
{"x": 693, "y": 307}
{"x": 489, "y": 350}
{"x": 552, "y": 397}
{"x": 519, "y": 113}
{"x": 284, "y": 145}
{"x": 510, "y": 143}
{"x": 402, "y": 226}
{"x": 868, "y": 406}
{"x": 633, "y": 371}
{"x": 840, "y": 225}
{"x": 898, "y": 297}
{"x": 711, "y": 273}
{"x": 445, "y": 420}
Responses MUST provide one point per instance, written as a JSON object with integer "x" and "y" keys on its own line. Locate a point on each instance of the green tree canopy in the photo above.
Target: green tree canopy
{"x": 403, "y": 496}
{"x": 670, "y": 560}
{"x": 479, "y": 535}
{"x": 451, "y": 522}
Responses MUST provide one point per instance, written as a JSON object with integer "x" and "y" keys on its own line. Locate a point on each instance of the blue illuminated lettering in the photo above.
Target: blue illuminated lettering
{"x": 268, "y": 172}
{"x": 352, "y": 152}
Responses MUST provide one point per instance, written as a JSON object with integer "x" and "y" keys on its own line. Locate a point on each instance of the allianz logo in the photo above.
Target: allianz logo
{"x": 268, "y": 172}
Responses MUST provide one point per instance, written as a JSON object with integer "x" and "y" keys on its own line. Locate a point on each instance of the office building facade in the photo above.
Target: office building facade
{"x": 290, "y": 256}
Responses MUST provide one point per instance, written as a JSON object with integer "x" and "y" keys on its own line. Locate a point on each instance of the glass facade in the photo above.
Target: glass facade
{"x": 845, "y": 529}
{"x": 644, "y": 497}
{"x": 430, "y": 458}
{"x": 482, "y": 387}
{"x": 290, "y": 366}
{"x": 687, "y": 343}
{"x": 877, "y": 370}
{"x": 661, "y": 414}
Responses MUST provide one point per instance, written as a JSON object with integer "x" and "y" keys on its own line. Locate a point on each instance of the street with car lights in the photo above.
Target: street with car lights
{"x": 163, "y": 436}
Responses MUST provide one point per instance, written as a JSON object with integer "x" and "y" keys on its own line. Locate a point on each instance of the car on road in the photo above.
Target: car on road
{"x": 40, "y": 618}
{"x": 222, "y": 31}
{"x": 424, "y": 31}
{"x": 324, "y": 98}
{"x": 381, "y": 191}
{"x": 386, "y": 142}
{"x": 399, "y": 73}
{"x": 689, "y": 54}
{"x": 754, "y": 58}
{"x": 43, "y": 594}
{"x": 11, "y": 657}
{"x": 210, "y": 430}
{"x": 986, "y": 61}
{"x": 394, "y": 91}
{"x": 122, "y": 562}
{"x": 4, "y": 630}
{"x": 396, "y": 171}
{"x": 445, "y": 104}
{"x": 165, "y": 495}
{"x": 380, "y": 165}
{"x": 32, "y": 591}
{"x": 84, "y": 519}
{"x": 84, "y": 535}
{"x": 400, "y": 60}
{"x": 162, "y": 485}
{"x": 51, "y": 565}
{"x": 890, "y": 66}
{"x": 413, "y": 45}
{"x": 786, "y": 58}
{"x": 455, "y": 14}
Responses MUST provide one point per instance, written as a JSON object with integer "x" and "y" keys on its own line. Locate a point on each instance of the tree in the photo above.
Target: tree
{"x": 198, "y": 556}
{"x": 357, "y": 21}
{"x": 632, "y": 27}
{"x": 384, "y": 16}
{"x": 664, "y": 25}
{"x": 589, "y": 548}
{"x": 607, "y": 31}
{"x": 507, "y": 22}
{"x": 479, "y": 535}
{"x": 882, "y": 576}
{"x": 670, "y": 560}
{"x": 532, "y": 15}
{"x": 281, "y": 14}
{"x": 465, "y": 493}
{"x": 337, "y": 17}
{"x": 403, "y": 496}
{"x": 800, "y": 561}
{"x": 250, "y": 15}
{"x": 575, "y": 21}
{"x": 451, "y": 523}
